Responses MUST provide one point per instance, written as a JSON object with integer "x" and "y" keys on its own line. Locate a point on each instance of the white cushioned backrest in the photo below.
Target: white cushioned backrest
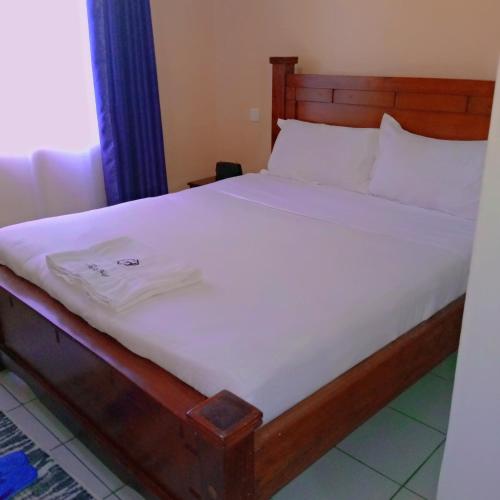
{"x": 68, "y": 182}
{"x": 18, "y": 200}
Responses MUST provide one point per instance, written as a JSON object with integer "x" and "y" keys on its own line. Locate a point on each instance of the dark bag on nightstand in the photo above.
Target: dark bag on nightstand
{"x": 225, "y": 169}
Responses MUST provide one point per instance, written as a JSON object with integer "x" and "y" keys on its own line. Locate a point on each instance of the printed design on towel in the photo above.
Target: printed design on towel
{"x": 99, "y": 270}
{"x": 128, "y": 262}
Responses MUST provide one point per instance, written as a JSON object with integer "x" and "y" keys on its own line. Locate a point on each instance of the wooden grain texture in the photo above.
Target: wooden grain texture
{"x": 480, "y": 105}
{"x": 442, "y": 108}
{"x": 225, "y": 418}
{"x": 314, "y": 95}
{"x": 159, "y": 384}
{"x": 113, "y": 399}
{"x": 225, "y": 427}
{"x": 442, "y": 86}
{"x": 432, "y": 102}
{"x": 290, "y": 109}
{"x": 309, "y": 429}
{"x": 364, "y": 97}
{"x": 201, "y": 182}
{"x": 457, "y": 126}
{"x": 291, "y": 94}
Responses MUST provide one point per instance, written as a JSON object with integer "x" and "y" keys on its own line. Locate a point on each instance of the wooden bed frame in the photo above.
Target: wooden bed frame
{"x": 167, "y": 438}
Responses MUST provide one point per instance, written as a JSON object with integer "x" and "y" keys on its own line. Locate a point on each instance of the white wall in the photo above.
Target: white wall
{"x": 185, "y": 58}
{"x": 471, "y": 465}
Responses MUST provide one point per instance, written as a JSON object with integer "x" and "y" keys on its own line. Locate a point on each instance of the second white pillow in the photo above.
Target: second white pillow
{"x": 429, "y": 173}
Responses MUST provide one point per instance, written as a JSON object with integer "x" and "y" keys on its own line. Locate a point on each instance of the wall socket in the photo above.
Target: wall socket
{"x": 254, "y": 115}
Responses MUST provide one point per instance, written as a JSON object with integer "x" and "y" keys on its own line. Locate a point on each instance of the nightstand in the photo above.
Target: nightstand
{"x": 201, "y": 182}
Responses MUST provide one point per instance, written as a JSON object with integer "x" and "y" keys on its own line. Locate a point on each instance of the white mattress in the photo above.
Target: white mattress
{"x": 301, "y": 282}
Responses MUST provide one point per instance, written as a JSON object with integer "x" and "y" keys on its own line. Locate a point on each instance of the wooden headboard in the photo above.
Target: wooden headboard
{"x": 435, "y": 107}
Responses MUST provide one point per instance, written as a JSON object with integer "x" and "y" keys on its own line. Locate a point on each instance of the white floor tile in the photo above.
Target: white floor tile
{"x": 79, "y": 472}
{"x": 429, "y": 401}
{"x": 446, "y": 369}
{"x": 392, "y": 444}
{"x": 94, "y": 464}
{"x": 127, "y": 493}
{"x": 405, "y": 494}
{"x": 33, "y": 428}
{"x": 49, "y": 420}
{"x": 16, "y": 386}
{"x": 7, "y": 400}
{"x": 337, "y": 475}
{"x": 425, "y": 481}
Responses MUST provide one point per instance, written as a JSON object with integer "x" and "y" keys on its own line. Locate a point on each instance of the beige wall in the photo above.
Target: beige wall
{"x": 227, "y": 44}
{"x": 185, "y": 44}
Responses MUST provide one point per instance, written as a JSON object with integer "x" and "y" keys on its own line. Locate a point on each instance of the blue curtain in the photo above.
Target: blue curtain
{"x": 127, "y": 100}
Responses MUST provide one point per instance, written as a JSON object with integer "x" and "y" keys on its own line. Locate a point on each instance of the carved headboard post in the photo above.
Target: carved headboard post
{"x": 282, "y": 67}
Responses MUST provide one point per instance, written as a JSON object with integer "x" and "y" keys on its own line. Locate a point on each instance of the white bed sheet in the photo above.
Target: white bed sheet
{"x": 301, "y": 282}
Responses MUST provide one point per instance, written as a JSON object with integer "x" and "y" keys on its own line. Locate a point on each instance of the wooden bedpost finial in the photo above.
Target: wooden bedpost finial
{"x": 282, "y": 67}
{"x": 225, "y": 426}
{"x": 284, "y": 60}
{"x": 225, "y": 418}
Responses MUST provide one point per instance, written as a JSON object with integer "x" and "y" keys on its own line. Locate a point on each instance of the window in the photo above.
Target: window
{"x": 46, "y": 89}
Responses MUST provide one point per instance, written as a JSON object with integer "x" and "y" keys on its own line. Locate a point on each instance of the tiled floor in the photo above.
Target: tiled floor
{"x": 395, "y": 455}
{"x": 22, "y": 407}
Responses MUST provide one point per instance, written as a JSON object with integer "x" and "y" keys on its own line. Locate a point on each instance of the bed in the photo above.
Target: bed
{"x": 286, "y": 379}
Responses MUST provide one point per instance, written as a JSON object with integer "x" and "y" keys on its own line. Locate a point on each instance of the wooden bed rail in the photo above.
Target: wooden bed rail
{"x": 146, "y": 424}
{"x": 316, "y": 424}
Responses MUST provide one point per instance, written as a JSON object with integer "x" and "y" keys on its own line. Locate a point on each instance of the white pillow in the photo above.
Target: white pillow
{"x": 325, "y": 154}
{"x": 428, "y": 173}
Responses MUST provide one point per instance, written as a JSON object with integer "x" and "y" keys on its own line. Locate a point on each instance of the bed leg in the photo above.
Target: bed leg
{"x": 225, "y": 426}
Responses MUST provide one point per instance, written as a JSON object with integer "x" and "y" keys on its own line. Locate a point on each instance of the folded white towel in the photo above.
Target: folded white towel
{"x": 120, "y": 273}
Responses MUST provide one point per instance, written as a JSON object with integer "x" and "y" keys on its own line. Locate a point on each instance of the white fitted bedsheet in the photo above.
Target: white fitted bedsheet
{"x": 301, "y": 282}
